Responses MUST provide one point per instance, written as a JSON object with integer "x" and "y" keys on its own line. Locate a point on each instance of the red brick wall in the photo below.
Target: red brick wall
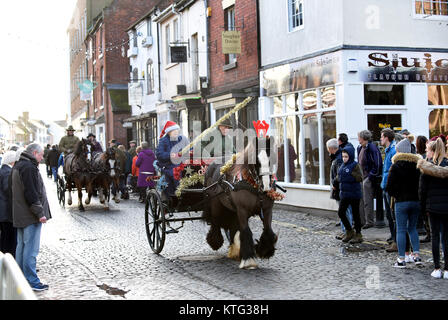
{"x": 246, "y": 71}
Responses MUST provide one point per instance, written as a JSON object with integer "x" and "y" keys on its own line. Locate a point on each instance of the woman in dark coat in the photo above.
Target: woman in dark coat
{"x": 402, "y": 184}
{"x": 8, "y": 234}
{"x": 145, "y": 164}
{"x": 433, "y": 193}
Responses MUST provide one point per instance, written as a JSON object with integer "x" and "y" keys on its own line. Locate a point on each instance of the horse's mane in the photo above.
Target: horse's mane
{"x": 79, "y": 148}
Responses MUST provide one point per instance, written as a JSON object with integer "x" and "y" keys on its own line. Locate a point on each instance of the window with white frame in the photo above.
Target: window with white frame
{"x": 304, "y": 122}
{"x": 295, "y": 14}
{"x": 229, "y": 23}
{"x": 150, "y": 77}
{"x": 167, "y": 44}
{"x": 427, "y": 8}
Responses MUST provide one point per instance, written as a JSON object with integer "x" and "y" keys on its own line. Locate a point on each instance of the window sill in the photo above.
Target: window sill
{"x": 230, "y": 66}
{"x": 102, "y": 107}
{"x": 305, "y": 186}
{"x": 296, "y": 29}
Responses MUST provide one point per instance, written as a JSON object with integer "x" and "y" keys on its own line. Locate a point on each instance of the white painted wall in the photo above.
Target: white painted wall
{"x": 322, "y": 29}
{"x": 391, "y": 23}
{"x": 140, "y": 62}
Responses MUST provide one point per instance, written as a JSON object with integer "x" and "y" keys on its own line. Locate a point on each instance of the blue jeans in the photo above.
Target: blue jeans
{"x": 54, "y": 170}
{"x": 406, "y": 214}
{"x": 389, "y": 215}
{"x": 28, "y": 243}
{"x": 349, "y": 215}
{"x": 61, "y": 160}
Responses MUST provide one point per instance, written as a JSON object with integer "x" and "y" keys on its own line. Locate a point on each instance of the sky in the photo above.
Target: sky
{"x": 34, "y": 58}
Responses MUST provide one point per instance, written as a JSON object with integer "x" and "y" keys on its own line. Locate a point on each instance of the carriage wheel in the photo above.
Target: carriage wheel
{"x": 155, "y": 221}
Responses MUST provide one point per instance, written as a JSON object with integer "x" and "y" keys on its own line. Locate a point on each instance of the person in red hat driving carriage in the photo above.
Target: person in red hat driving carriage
{"x": 168, "y": 153}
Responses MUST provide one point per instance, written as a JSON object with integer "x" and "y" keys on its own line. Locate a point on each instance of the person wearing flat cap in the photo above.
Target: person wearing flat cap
{"x": 133, "y": 147}
{"x": 223, "y": 146}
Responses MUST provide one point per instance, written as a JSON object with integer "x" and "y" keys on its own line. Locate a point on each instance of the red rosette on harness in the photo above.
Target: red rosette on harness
{"x": 177, "y": 172}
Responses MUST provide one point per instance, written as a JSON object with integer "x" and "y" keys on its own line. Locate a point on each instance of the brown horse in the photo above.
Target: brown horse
{"x": 105, "y": 167}
{"x": 245, "y": 184}
{"x": 78, "y": 172}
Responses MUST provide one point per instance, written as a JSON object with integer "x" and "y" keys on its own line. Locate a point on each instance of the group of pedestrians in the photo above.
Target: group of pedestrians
{"x": 412, "y": 181}
{"x": 24, "y": 208}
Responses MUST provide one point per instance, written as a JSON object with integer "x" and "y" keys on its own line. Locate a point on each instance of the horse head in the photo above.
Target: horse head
{"x": 266, "y": 161}
{"x": 83, "y": 149}
{"x": 111, "y": 162}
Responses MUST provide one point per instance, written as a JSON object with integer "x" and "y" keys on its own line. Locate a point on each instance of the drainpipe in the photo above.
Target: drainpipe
{"x": 207, "y": 28}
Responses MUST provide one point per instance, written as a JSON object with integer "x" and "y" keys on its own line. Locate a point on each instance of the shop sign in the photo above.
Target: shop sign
{"x": 231, "y": 42}
{"x": 404, "y": 66}
{"x": 135, "y": 94}
{"x": 310, "y": 73}
{"x": 178, "y": 54}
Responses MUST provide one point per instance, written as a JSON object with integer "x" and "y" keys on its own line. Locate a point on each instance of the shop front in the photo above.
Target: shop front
{"x": 311, "y": 101}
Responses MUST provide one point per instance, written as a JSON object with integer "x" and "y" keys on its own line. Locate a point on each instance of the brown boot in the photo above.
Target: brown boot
{"x": 392, "y": 248}
{"x": 349, "y": 234}
{"x": 357, "y": 238}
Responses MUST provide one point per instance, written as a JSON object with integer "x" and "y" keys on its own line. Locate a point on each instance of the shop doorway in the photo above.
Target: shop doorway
{"x": 377, "y": 122}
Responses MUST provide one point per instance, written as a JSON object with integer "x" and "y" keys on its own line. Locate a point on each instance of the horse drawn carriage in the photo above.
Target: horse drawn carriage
{"x": 88, "y": 172}
{"x": 227, "y": 192}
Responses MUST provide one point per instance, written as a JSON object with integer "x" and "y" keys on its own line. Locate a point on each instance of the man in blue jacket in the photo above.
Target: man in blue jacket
{"x": 369, "y": 157}
{"x": 388, "y": 141}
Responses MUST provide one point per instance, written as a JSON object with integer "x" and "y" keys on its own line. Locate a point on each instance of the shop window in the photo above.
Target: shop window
{"x": 328, "y": 96}
{"x": 278, "y": 105}
{"x": 329, "y": 132}
{"x": 310, "y": 132}
{"x": 438, "y": 95}
{"x": 379, "y": 94}
{"x": 291, "y": 102}
{"x": 150, "y": 77}
{"x": 438, "y": 122}
{"x": 292, "y": 145}
{"x": 309, "y": 100}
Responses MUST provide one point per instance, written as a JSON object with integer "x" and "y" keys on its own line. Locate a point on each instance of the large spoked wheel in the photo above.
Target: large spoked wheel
{"x": 155, "y": 221}
{"x": 61, "y": 191}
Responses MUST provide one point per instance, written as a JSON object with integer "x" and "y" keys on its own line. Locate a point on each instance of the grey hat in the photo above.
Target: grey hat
{"x": 404, "y": 146}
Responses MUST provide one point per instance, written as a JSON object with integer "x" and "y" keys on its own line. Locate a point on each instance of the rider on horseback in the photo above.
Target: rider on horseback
{"x": 67, "y": 144}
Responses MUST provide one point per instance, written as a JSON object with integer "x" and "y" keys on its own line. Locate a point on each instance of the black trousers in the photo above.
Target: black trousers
{"x": 439, "y": 221}
{"x": 8, "y": 238}
{"x": 343, "y": 205}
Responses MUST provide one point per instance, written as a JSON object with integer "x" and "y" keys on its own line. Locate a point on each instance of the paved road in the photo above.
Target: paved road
{"x": 100, "y": 254}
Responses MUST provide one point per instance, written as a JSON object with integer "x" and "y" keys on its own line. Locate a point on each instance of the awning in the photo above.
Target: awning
{"x": 119, "y": 97}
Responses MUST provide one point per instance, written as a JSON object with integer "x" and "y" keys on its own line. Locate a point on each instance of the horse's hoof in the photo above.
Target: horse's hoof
{"x": 234, "y": 253}
{"x": 87, "y": 201}
{"x": 117, "y": 200}
{"x": 102, "y": 201}
{"x": 69, "y": 203}
{"x": 249, "y": 264}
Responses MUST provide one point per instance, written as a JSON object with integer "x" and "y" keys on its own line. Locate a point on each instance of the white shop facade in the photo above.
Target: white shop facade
{"x": 312, "y": 100}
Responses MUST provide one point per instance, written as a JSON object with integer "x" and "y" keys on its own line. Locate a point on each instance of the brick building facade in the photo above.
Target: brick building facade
{"x": 107, "y": 44}
{"x": 233, "y": 77}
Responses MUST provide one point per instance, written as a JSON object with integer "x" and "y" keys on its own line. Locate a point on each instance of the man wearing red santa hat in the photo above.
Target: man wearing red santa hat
{"x": 168, "y": 153}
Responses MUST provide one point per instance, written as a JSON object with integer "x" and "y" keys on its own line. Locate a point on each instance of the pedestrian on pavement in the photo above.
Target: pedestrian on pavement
{"x": 145, "y": 163}
{"x": 388, "y": 141}
{"x": 47, "y": 149}
{"x": 406, "y": 134}
{"x": 433, "y": 194}
{"x": 127, "y": 165}
{"x": 132, "y": 148}
{"x": 349, "y": 179}
{"x": 135, "y": 172}
{"x": 53, "y": 157}
{"x": 403, "y": 184}
{"x": 369, "y": 157}
{"x": 30, "y": 210}
{"x": 423, "y": 220}
{"x": 8, "y": 234}
{"x": 335, "y": 151}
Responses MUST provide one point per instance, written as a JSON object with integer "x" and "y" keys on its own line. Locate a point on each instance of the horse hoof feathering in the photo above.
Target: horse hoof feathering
{"x": 249, "y": 264}
{"x": 234, "y": 249}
